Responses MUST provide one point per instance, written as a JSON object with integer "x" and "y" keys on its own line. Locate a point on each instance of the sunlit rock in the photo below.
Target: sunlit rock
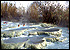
{"x": 26, "y": 42}
{"x": 45, "y": 25}
{"x": 12, "y": 33}
{"x": 32, "y": 33}
{"x": 36, "y": 43}
{"x": 53, "y": 31}
{"x": 13, "y": 43}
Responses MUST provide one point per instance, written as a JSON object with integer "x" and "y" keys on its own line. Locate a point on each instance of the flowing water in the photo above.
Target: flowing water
{"x": 55, "y": 45}
{"x": 61, "y": 45}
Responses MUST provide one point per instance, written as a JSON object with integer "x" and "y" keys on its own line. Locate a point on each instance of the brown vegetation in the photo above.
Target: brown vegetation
{"x": 50, "y": 14}
{"x": 37, "y": 12}
{"x": 9, "y": 11}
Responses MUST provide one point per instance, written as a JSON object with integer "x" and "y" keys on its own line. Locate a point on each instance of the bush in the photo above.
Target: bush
{"x": 9, "y": 11}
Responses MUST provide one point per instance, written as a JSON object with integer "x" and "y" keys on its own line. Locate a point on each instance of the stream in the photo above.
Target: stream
{"x": 55, "y": 45}
{"x": 61, "y": 45}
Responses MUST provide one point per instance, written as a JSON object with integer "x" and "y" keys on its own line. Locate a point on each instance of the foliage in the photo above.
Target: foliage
{"x": 9, "y": 11}
{"x": 51, "y": 14}
{"x": 57, "y": 15}
{"x": 33, "y": 12}
{"x": 38, "y": 12}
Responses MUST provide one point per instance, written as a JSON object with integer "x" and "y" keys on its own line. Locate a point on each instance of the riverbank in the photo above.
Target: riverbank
{"x": 20, "y": 20}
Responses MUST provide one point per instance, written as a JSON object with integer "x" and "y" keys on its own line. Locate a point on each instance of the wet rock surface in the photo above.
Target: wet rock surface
{"x": 25, "y": 40}
{"x": 12, "y": 33}
{"x": 15, "y": 40}
{"x": 52, "y": 31}
{"x": 36, "y": 36}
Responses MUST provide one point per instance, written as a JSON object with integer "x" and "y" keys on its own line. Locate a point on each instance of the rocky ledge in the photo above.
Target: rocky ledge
{"x": 26, "y": 42}
{"x": 51, "y": 31}
{"x": 12, "y": 33}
